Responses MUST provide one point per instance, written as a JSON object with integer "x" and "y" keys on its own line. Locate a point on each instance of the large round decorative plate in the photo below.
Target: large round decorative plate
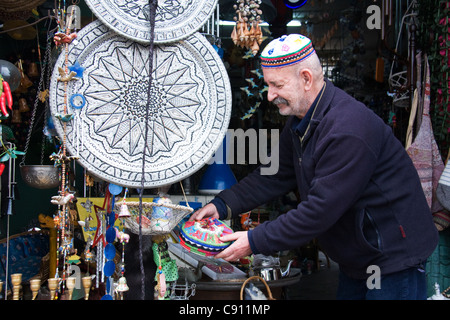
{"x": 189, "y": 110}
{"x": 175, "y": 19}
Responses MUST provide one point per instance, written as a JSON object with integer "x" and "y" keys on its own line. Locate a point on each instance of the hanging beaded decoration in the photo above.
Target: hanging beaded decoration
{"x": 64, "y": 197}
{"x": 123, "y": 238}
{"x": 110, "y": 250}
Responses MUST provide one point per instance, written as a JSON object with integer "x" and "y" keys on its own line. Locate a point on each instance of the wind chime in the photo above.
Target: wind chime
{"x": 62, "y": 219}
{"x": 247, "y": 31}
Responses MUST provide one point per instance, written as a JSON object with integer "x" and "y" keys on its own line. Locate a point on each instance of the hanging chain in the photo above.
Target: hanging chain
{"x": 153, "y": 4}
{"x": 36, "y": 101}
{"x": 47, "y": 106}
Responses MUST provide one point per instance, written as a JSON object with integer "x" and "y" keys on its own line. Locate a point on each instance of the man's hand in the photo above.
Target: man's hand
{"x": 207, "y": 211}
{"x": 238, "y": 249}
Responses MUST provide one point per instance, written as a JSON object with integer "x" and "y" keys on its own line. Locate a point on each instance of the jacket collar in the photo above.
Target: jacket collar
{"x": 302, "y": 127}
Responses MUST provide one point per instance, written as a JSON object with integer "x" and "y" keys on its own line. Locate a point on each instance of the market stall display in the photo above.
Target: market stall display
{"x": 189, "y": 110}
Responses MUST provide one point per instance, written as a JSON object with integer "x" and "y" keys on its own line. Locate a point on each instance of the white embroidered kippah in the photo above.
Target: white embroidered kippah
{"x": 286, "y": 50}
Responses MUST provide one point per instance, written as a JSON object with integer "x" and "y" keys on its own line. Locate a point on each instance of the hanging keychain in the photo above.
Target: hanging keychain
{"x": 161, "y": 281}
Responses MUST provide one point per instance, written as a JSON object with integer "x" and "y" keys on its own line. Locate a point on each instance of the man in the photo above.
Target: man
{"x": 361, "y": 196}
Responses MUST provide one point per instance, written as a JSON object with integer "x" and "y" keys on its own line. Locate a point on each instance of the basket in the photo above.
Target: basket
{"x": 151, "y": 225}
{"x": 269, "y": 293}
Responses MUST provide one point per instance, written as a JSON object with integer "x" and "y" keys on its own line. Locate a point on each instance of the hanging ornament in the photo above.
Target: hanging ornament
{"x": 77, "y": 68}
{"x": 161, "y": 286}
{"x": 124, "y": 212}
{"x": 122, "y": 283}
{"x": 10, "y": 73}
{"x": 16, "y": 117}
{"x": 122, "y": 286}
{"x": 23, "y": 105}
{"x": 33, "y": 70}
{"x": 25, "y": 82}
{"x": 75, "y": 16}
{"x": 110, "y": 250}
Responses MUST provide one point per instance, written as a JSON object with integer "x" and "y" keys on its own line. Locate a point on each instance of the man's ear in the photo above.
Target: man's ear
{"x": 307, "y": 77}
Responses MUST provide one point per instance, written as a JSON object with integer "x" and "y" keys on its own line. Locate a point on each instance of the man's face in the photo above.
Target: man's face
{"x": 286, "y": 90}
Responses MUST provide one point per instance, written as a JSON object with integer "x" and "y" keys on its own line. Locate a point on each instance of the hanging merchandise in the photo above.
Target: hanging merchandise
{"x": 189, "y": 80}
{"x": 40, "y": 176}
{"x": 123, "y": 238}
{"x": 63, "y": 219}
{"x": 443, "y": 187}
{"x": 25, "y": 82}
{"x": 110, "y": 237}
{"x": 23, "y": 105}
{"x": 167, "y": 270}
{"x": 254, "y": 92}
{"x": 154, "y": 114}
{"x": 5, "y": 97}
{"x": 247, "y": 32}
{"x": 9, "y": 154}
{"x": 156, "y": 218}
{"x": 426, "y": 157}
{"x": 11, "y": 74}
{"x": 398, "y": 81}
{"x": 174, "y": 21}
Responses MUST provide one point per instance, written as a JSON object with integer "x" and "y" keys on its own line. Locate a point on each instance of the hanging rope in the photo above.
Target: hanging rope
{"x": 152, "y": 4}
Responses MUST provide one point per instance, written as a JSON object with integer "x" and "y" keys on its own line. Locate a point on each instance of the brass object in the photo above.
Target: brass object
{"x": 35, "y": 285}
{"x": 16, "y": 116}
{"x": 87, "y": 282}
{"x": 70, "y": 283}
{"x": 40, "y": 176}
{"x": 23, "y": 105}
{"x": 33, "y": 70}
{"x": 16, "y": 280}
{"x": 52, "y": 286}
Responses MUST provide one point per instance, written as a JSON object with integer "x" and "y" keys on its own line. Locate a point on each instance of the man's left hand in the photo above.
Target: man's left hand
{"x": 238, "y": 249}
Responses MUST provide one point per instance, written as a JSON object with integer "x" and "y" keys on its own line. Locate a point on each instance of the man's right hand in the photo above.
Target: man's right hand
{"x": 207, "y": 211}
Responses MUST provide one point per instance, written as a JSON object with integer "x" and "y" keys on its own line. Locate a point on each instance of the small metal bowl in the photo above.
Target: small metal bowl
{"x": 40, "y": 176}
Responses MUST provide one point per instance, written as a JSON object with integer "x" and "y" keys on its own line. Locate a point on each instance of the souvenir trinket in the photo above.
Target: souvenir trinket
{"x": 202, "y": 237}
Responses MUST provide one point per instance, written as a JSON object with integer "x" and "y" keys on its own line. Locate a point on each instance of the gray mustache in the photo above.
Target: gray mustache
{"x": 280, "y": 101}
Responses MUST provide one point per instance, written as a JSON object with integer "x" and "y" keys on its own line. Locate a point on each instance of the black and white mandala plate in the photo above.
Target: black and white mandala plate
{"x": 174, "y": 20}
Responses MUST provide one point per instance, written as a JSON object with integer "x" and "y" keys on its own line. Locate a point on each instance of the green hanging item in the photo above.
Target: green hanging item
{"x": 162, "y": 258}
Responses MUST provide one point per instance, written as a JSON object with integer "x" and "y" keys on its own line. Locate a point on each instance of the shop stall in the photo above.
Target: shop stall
{"x": 121, "y": 119}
